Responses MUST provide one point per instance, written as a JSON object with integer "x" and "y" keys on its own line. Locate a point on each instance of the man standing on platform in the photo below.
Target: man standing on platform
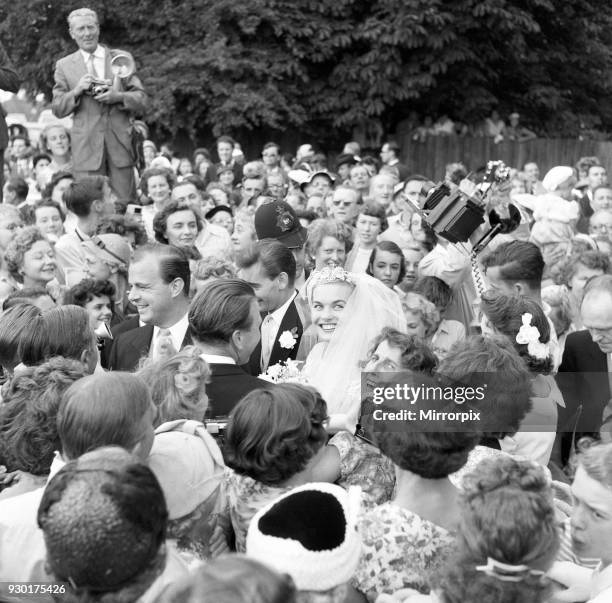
{"x": 9, "y": 81}
{"x": 103, "y": 106}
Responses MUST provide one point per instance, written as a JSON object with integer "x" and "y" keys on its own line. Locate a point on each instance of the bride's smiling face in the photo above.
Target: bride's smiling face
{"x": 328, "y": 303}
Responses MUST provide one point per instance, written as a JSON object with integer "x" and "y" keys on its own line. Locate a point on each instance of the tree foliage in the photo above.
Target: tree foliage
{"x": 325, "y": 66}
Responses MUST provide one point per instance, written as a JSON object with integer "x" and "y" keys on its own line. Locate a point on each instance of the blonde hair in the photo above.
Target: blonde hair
{"x": 177, "y": 385}
{"x": 428, "y": 313}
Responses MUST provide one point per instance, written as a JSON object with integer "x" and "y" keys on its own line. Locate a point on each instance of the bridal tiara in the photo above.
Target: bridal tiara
{"x": 332, "y": 275}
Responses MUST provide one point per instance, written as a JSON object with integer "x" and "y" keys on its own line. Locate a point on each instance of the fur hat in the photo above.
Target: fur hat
{"x": 554, "y": 220}
{"x": 310, "y": 533}
{"x": 556, "y": 176}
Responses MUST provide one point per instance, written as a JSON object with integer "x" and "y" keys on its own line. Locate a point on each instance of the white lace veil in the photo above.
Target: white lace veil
{"x": 337, "y": 372}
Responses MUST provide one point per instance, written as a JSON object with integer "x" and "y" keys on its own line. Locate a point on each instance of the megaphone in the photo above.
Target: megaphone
{"x": 122, "y": 67}
{"x": 103, "y": 332}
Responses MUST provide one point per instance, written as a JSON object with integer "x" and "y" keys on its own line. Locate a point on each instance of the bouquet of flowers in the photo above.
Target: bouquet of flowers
{"x": 285, "y": 372}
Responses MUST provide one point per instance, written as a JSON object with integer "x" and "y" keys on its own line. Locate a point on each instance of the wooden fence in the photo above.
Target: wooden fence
{"x": 430, "y": 157}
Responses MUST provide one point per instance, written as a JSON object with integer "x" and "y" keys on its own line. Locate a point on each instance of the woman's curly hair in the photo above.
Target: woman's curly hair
{"x": 177, "y": 385}
{"x": 28, "y": 431}
{"x": 508, "y": 515}
{"x": 422, "y": 307}
{"x": 84, "y": 291}
{"x": 160, "y": 221}
{"x": 273, "y": 433}
{"x": 168, "y": 174}
{"x": 328, "y": 227}
{"x": 563, "y": 272}
{"x": 505, "y": 314}
{"x": 17, "y": 249}
{"x": 212, "y": 266}
{"x": 417, "y": 449}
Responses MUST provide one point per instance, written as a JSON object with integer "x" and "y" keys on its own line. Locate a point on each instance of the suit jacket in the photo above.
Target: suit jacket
{"x": 133, "y": 322}
{"x": 228, "y": 385}
{"x": 97, "y": 125}
{"x": 583, "y": 381}
{"x": 403, "y": 171}
{"x": 9, "y": 82}
{"x": 236, "y": 168}
{"x": 132, "y": 345}
{"x": 586, "y": 211}
{"x": 297, "y": 320}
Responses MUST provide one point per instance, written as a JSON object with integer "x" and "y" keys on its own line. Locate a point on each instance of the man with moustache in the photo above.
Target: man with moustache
{"x": 102, "y": 128}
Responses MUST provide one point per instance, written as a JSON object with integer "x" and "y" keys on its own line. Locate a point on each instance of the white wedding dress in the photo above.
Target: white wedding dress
{"x": 334, "y": 367}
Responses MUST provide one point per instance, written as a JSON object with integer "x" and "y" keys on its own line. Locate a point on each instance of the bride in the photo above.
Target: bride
{"x": 348, "y": 311}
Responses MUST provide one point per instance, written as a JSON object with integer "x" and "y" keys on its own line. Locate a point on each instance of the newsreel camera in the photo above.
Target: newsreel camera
{"x": 455, "y": 215}
{"x": 122, "y": 67}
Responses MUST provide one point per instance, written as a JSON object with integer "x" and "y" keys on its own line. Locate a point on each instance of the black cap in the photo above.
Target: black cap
{"x": 215, "y": 210}
{"x": 278, "y": 220}
{"x": 345, "y": 158}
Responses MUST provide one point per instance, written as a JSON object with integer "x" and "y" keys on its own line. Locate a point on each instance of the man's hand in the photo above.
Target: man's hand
{"x": 83, "y": 84}
{"x": 8, "y": 479}
{"x": 110, "y": 97}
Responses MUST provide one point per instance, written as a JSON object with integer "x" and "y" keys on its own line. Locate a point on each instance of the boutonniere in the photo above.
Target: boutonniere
{"x": 288, "y": 339}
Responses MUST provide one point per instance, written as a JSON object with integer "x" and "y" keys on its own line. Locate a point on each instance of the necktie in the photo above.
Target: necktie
{"x": 164, "y": 347}
{"x": 266, "y": 341}
{"x": 91, "y": 68}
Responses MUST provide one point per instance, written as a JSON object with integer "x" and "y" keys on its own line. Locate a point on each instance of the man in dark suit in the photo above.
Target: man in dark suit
{"x": 278, "y": 220}
{"x": 389, "y": 153}
{"x": 224, "y": 321}
{"x": 159, "y": 278}
{"x": 584, "y": 374}
{"x": 225, "y": 151}
{"x": 270, "y": 268}
{"x": 103, "y": 117}
{"x": 9, "y": 81}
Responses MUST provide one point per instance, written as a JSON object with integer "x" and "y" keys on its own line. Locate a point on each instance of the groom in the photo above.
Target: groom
{"x": 270, "y": 268}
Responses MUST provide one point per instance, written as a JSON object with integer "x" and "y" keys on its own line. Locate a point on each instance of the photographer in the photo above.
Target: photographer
{"x": 9, "y": 81}
{"x": 103, "y": 107}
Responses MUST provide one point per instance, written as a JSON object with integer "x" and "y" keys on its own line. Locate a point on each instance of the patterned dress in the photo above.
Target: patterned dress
{"x": 363, "y": 465}
{"x": 400, "y": 550}
{"x": 245, "y": 497}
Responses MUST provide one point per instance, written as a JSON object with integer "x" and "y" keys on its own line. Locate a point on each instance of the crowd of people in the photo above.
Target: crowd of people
{"x": 493, "y": 126}
{"x": 191, "y": 352}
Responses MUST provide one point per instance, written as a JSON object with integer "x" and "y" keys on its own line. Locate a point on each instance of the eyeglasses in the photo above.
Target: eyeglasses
{"x": 343, "y": 203}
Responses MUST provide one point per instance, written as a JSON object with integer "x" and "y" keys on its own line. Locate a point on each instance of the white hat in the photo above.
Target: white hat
{"x": 187, "y": 463}
{"x": 161, "y": 162}
{"x": 556, "y": 176}
{"x": 310, "y": 533}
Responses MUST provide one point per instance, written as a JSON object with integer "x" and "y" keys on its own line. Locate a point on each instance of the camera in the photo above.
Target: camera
{"x": 455, "y": 215}
{"x": 98, "y": 87}
{"x": 134, "y": 209}
{"x": 217, "y": 427}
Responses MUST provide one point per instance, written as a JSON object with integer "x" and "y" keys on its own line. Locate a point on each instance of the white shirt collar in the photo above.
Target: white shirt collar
{"x": 98, "y": 53}
{"x": 177, "y": 332}
{"x": 56, "y": 464}
{"x": 277, "y": 315}
{"x": 217, "y": 359}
